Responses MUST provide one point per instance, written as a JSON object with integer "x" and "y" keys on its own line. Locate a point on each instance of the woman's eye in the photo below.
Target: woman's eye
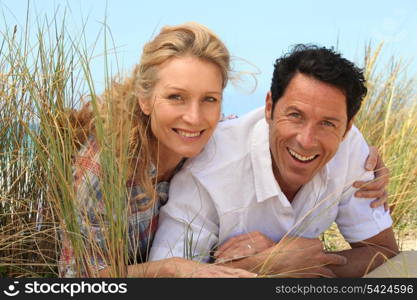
{"x": 210, "y": 99}
{"x": 174, "y": 97}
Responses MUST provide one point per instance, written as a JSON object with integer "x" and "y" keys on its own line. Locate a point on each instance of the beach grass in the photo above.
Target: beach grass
{"x": 45, "y": 73}
{"x": 388, "y": 120}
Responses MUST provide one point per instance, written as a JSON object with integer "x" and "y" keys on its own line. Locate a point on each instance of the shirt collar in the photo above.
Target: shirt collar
{"x": 265, "y": 184}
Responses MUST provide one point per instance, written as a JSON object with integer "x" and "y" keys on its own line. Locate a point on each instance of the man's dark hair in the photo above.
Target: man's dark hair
{"x": 325, "y": 65}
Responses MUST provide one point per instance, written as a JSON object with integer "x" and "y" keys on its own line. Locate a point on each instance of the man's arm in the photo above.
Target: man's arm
{"x": 305, "y": 257}
{"x": 291, "y": 257}
{"x": 367, "y": 255}
{"x": 368, "y": 230}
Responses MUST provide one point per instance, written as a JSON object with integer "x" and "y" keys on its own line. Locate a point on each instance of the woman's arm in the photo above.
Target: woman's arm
{"x": 375, "y": 188}
{"x": 180, "y": 267}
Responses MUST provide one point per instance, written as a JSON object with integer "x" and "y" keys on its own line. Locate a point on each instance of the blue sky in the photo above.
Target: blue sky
{"x": 256, "y": 31}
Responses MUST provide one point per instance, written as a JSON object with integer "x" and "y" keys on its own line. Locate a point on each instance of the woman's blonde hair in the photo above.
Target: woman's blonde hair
{"x": 189, "y": 39}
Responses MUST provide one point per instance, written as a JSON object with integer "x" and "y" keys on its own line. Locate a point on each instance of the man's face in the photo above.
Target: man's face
{"x": 307, "y": 125}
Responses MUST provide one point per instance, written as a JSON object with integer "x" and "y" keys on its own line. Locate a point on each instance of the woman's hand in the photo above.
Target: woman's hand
{"x": 180, "y": 267}
{"x": 375, "y": 188}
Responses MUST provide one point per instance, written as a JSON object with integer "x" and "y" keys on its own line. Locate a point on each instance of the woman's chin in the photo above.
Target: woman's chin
{"x": 189, "y": 153}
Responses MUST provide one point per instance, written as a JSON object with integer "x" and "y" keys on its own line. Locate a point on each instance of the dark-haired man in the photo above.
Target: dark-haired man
{"x": 283, "y": 175}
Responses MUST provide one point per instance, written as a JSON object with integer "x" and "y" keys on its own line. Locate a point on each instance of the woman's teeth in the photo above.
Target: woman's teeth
{"x": 301, "y": 157}
{"x": 189, "y": 134}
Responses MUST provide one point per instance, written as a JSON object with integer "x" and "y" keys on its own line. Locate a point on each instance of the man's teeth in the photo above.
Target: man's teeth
{"x": 300, "y": 157}
{"x": 189, "y": 134}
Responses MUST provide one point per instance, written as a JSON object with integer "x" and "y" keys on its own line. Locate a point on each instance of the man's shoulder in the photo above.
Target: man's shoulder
{"x": 353, "y": 142}
{"x": 237, "y": 131}
{"x": 349, "y": 160}
{"x": 231, "y": 142}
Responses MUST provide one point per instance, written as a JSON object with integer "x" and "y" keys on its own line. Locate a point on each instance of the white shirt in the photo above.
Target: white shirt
{"x": 230, "y": 189}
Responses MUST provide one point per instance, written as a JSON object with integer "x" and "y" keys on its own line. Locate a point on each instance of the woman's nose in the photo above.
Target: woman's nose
{"x": 192, "y": 114}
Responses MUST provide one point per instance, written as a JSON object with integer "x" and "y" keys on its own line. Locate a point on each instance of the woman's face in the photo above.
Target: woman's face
{"x": 184, "y": 106}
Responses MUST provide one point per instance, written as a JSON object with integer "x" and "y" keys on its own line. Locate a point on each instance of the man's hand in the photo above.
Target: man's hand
{"x": 292, "y": 257}
{"x": 377, "y": 187}
{"x": 302, "y": 257}
{"x": 242, "y": 246}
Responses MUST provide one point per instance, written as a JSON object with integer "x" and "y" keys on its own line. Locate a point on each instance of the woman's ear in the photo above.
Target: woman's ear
{"x": 145, "y": 105}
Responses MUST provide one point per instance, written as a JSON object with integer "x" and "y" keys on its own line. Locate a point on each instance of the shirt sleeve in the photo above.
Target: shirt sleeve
{"x": 88, "y": 214}
{"x": 188, "y": 223}
{"x": 356, "y": 220}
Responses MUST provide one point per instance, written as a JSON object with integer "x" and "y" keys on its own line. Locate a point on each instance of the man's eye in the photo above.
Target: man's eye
{"x": 294, "y": 115}
{"x": 174, "y": 97}
{"x": 328, "y": 124}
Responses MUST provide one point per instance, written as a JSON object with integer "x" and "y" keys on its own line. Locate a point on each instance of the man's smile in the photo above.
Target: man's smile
{"x": 302, "y": 158}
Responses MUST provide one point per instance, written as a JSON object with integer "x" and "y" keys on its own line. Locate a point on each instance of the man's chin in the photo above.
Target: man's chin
{"x": 297, "y": 180}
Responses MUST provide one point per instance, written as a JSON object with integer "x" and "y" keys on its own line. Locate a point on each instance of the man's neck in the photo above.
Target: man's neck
{"x": 288, "y": 190}
{"x": 289, "y": 193}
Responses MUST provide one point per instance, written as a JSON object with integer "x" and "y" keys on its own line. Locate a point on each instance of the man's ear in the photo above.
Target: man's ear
{"x": 145, "y": 105}
{"x": 268, "y": 106}
{"x": 348, "y": 127}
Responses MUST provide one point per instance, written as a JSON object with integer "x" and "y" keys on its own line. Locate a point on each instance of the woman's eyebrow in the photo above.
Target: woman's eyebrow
{"x": 173, "y": 87}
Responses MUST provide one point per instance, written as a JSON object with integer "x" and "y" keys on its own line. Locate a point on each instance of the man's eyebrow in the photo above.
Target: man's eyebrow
{"x": 292, "y": 107}
{"x": 332, "y": 119}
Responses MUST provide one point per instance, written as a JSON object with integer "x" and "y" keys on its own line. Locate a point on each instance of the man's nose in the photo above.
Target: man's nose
{"x": 307, "y": 137}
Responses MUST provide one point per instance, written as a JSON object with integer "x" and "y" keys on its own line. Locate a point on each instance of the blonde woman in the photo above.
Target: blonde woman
{"x": 170, "y": 106}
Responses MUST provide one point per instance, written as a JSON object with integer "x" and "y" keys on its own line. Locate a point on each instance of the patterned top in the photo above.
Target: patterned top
{"x": 142, "y": 215}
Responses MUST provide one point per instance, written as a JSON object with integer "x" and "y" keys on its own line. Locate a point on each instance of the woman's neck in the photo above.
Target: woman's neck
{"x": 166, "y": 162}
